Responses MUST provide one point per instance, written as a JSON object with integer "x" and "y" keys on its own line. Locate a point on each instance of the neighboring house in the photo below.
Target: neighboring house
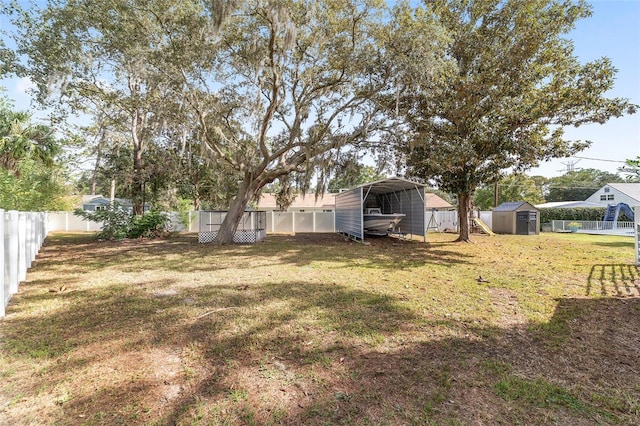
{"x": 434, "y": 201}
{"x": 614, "y": 193}
{"x": 94, "y": 203}
{"x": 307, "y": 203}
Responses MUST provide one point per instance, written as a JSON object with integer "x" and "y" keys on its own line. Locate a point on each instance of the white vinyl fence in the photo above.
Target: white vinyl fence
{"x": 22, "y": 234}
{"x": 593, "y": 227}
{"x": 287, "y": 222}
{"x": 277, "y": 222}
{"x": 441, "y": 221}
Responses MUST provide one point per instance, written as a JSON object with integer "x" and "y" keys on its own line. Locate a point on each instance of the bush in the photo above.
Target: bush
{"x": 116, "y": 223}
{"x": 576, "y": 213}
{"x": 119, "y": 223}
{"x": 152, "y": 224}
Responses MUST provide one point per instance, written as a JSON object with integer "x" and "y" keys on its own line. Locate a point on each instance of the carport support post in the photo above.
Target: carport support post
{"x": 636, "y": 228}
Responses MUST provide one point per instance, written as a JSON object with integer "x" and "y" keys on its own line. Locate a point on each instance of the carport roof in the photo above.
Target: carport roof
{"x": 392, "y": 184}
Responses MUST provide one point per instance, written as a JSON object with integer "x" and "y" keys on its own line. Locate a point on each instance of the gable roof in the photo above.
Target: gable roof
{"x": 302, "y": 201}
{"x": 629, "y": 189}
{"x": 434, "y": 201}
{"x": 510, "y": 206}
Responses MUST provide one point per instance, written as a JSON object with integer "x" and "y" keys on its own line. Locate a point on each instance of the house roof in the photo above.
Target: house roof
{"x": 102, "y": 200}
{"x": 434, "y": 201}
{"x": 566, "y": 204}
{"x": 86, "y": 199}
{"x": 629, "y": 189}
{"x": 510, "y": 206}
{"x": 302, "y": 201}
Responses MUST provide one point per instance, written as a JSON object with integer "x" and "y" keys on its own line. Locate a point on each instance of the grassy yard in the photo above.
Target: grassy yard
{"x": 314, "y": 330}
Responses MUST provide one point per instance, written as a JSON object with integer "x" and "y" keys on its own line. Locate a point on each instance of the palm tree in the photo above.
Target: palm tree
{"x": 21, "y": 140}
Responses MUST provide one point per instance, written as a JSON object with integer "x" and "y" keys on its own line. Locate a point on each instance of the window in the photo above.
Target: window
{"x": 606, "y": 189}
{"x": 610, "y": 197}
{"x": 327, "y": 210}
{"x": 101, "y": 207}
{"x": 603, "y": 198}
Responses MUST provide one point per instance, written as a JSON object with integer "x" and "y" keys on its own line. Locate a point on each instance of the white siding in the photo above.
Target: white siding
{"x": 612, "y": 196}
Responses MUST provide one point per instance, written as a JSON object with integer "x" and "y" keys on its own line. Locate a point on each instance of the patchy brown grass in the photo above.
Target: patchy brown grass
{"x": 314, "y": 329}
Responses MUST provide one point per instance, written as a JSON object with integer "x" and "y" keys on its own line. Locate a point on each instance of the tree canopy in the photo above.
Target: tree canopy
{"x": 21, "y": 140}
{"x": 516, "y": 84}
{"x": 578, "y": 185}
{"x": 514, "y": 187}
{"x": 265, "y": 88}
{"x": 352, "y": 174}
{"x": 31, "y": 177}
{"x": 631, "y": 169}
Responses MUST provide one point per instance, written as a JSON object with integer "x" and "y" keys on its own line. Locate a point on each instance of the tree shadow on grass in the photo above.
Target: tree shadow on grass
{"x": 628, "y": 243}
{"x": 183, "y": 253}
{"x": 312, "y": 353}
{"x": 107, "y": 329}
{"x": 617, "y": 280}
{"x": 299, "y": 351}
{"x": 518, "y": 375}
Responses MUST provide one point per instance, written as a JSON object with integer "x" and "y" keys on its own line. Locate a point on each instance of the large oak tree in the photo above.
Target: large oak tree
{"x": 267, "y": 88}
{"x": 517, "y": 84}
{"x": 283, "y": 87}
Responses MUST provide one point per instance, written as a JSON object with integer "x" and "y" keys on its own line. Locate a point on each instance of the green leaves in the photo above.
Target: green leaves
{"x": 517, "y": 84}
{"x": 21, "y": 140}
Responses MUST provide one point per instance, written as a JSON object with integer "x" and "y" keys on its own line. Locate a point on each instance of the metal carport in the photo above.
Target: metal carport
{"x": 392, "y": 195}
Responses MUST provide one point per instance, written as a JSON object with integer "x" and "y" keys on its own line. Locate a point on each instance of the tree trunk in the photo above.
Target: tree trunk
{"x": 138, "y": 197}
{"x": 137, "y": 188}
{"x": 96, "y": 169}
{"x": 464, "y": 199}
{"x": 112, "y": 194}
{"x": 232, "y": 219}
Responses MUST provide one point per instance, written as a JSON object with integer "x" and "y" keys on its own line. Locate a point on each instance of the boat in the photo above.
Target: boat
{"x": 377, "y": 223}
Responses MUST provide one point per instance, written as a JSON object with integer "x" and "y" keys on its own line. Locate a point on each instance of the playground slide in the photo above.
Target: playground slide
{"x": 613, "y": 211}
{"x": 480, "y": 224}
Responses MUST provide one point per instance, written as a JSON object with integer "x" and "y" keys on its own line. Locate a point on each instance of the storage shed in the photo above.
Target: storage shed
{"x": 518, "y": 218}
{"x": 386, "y": 197}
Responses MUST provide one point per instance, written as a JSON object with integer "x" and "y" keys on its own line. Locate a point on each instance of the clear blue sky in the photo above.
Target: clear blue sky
{"x": 612, "y": 31}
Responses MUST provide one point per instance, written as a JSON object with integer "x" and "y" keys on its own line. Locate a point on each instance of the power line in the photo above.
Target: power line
{"x": 598, "y": 159}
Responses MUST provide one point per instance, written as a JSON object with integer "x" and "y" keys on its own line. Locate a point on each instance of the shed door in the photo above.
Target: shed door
{"x": 533, "y": 223}
{"x": 526, "y": 222}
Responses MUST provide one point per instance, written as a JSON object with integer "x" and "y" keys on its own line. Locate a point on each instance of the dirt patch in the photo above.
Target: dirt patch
{"x": 505, "y": 302}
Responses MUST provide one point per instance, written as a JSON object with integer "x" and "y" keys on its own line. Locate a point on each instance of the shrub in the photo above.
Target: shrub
{"x": 152, "y": 224}
{"x": 576, "y": 213}
{"x": 116, "y": 223}
{"x": 119, "y": 223}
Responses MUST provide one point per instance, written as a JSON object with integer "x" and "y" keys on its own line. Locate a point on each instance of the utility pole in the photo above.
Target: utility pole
{"x": 571, "y": 165}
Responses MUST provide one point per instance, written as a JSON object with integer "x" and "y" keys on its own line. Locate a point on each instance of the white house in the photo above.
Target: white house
{"x": 614, "y": 193}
